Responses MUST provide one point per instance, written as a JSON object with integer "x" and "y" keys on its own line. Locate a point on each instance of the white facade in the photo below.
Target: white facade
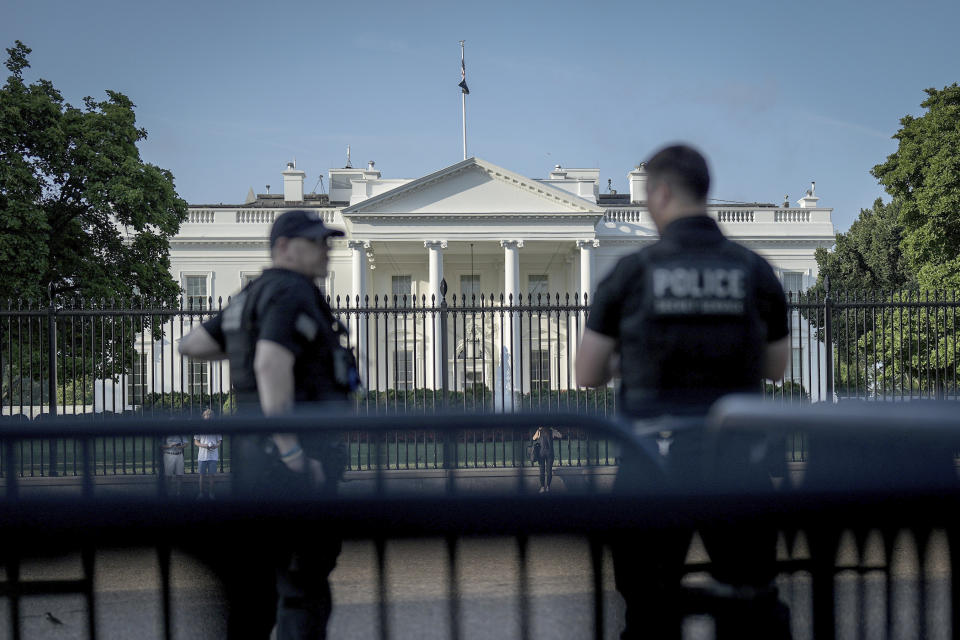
{"x": 481, "y": 228}
{"x": 560, "y": 226}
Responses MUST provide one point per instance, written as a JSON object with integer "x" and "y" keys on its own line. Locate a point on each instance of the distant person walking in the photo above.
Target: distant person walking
{"x": 208, "y": 454}
{"x": 544, "y": 454}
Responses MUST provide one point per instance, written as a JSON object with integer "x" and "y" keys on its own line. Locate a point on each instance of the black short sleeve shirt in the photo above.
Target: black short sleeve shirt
{"x": 692, "y": 316}
{"x": 284, "y": 307}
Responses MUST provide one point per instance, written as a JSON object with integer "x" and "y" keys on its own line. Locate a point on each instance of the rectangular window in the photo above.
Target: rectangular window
{"x": 403, "y": 366}
{"x": 137, "y": 380}
{"x": 537, "y": 286}
{"x": 796, "y": 364}
{"x": 195, "y": 289}
{"x": 197, "y": 377}
{"x": 402, "y": 289}
{"x": 793, "y": 281}
{"x": 539, "y": 369}
{"x": 246, "y": 277}
{"x": 470, "y": 288}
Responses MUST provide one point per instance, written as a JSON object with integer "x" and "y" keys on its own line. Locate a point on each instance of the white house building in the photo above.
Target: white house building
{"x": 483, "y": 229}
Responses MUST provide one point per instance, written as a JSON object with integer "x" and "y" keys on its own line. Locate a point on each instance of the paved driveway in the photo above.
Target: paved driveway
{"x": 128, "y": 604}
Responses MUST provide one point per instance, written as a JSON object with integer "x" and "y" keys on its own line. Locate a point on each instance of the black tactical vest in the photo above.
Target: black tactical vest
{"x": 690, "y": 328}
{"x": 324, "y": 371}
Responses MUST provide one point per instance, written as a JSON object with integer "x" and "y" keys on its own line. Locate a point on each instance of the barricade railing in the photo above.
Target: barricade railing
{"x": 875, "y": 472}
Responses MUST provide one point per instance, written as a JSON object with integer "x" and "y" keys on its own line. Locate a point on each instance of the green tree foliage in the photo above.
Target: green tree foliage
{"x": 923, "y": 178}
{"x": 84, "y": 222}
{"x": 80, "y": 212}
{"x": 868, "y": 256}
{"x": 866, "y": 263}
{"x": 894, "y": 327}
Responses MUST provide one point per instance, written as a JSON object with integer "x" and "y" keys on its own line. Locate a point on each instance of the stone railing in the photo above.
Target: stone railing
{"x": 261, "y": 216}
{"x": 201, "y": 216}
{"x": 255, "y": 216}
{"x": 763, "y": 215}
{"x": 249, "y": 216}
{"x": 791, "y": 215}
{"x": 624, "y": 215}
{"x": 735, "y": 215}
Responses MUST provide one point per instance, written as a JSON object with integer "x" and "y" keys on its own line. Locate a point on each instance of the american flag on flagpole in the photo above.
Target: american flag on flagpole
{"x": 463, "y": 74}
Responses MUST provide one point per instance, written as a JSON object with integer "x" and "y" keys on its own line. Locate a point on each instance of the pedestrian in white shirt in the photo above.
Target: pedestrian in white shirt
{"x": 208, "y": 453}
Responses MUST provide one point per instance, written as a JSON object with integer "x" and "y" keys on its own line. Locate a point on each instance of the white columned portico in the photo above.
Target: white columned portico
{"x": 511, "y": 374}
{"x": 434, "y": 370}
{"x": 586, "y": 266}
{"x": 358, "y": 294}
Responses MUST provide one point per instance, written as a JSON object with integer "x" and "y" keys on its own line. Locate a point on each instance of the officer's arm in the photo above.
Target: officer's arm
{"x": 595, "y": 359}
{"x": 200, "y": 344}
{"x": 273, "y": 367}
{"x": 775, "y": 358}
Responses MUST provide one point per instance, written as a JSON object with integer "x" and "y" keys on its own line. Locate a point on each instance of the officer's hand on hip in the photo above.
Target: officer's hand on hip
{"x": 297, "y": 462}
{"x": 317, "y": 476}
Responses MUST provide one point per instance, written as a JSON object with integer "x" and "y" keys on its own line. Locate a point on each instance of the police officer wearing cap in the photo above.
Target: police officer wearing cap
{"x": 287, "y": 352}
{"x": 683, "y": 322}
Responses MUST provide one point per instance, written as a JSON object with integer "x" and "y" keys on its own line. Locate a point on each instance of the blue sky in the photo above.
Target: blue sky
{"x": 776, "y": 93}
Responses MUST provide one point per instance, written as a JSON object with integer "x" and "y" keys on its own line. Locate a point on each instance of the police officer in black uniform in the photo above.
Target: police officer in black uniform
{"x": 287, "y": 352}
{"x": 686, "y": 320}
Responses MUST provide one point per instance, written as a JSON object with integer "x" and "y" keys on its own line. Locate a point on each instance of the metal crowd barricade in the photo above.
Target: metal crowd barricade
{"x": 880, "y": 480}
{"x": 35, "y": 526}
{"x": 843, "y": 491}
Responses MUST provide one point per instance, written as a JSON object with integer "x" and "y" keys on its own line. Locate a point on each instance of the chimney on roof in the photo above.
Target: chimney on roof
{"x": 638, "y": 183}
{"x": 293, "y": 183}
{"x": 810, "y": 200}
{"x": 558, "y": 173}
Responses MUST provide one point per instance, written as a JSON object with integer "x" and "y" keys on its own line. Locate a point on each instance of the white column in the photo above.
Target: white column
{"x": 434, "y": 367}
{"x": 586, "y": 266}
{"x": 358, "y": 258}
{"x": 510, "y": 354}
{"x": 358, "y": 291}
{"x": 511, "y": 269}
{"x": 586, "y": 285}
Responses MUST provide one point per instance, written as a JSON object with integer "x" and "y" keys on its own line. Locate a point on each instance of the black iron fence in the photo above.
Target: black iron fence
{"x": 483, "y": 355}
{"x": 881, "y": 487}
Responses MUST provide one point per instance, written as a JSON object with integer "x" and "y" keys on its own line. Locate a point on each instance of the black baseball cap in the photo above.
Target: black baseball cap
{"x": 300, "y": 223}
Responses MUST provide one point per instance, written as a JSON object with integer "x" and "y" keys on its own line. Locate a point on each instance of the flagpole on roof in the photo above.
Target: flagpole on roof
{"x": 463, "y": 97}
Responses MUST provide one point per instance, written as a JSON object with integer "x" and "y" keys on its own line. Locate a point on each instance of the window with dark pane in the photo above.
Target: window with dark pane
{"x": 537, "y": 285}
{"x": 195, "y": 288}
{"x": 402, "y": 289}
{"x": 470, "y": 287}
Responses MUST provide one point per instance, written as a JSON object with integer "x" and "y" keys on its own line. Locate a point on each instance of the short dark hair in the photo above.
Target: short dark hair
{"x": 683, "y": 168}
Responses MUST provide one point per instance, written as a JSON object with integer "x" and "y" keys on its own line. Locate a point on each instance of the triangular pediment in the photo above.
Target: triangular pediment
{"x": 473, "y": 187}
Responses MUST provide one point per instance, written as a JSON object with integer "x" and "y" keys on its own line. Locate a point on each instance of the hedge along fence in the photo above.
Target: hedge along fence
{"x": 600, "y": 401}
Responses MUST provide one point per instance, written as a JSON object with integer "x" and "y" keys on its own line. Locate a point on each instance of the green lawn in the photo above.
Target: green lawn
{"x": 138, "y": 455}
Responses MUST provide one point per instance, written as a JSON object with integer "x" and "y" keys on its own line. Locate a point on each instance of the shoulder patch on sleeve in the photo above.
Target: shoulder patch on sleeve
{"x": 306, "y": 326}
